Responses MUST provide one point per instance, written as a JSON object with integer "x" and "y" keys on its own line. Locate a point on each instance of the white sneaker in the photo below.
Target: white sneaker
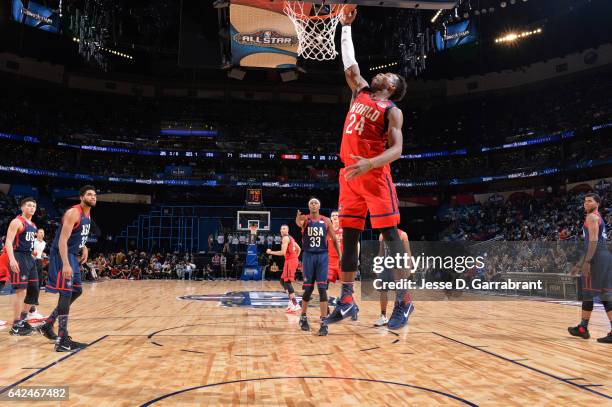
{"x": 382, "y": 321}
{"x": 296, "y": 308}
{"x": 2, "y": 322}
{"x": 34, "y": 315}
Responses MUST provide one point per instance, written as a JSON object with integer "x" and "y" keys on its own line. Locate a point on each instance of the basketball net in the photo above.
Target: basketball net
{"x": 315, "y": 26}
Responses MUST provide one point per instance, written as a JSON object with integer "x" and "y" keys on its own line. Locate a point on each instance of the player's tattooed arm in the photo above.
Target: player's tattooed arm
{"x": 592, "y": 222}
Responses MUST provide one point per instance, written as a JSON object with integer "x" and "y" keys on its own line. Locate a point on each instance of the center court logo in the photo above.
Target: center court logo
{"x": 250, "y": 299}
{"x": 265, "y": 38}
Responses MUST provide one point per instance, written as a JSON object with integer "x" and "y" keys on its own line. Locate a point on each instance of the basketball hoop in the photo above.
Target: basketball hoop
{"x": 315, "y": 25}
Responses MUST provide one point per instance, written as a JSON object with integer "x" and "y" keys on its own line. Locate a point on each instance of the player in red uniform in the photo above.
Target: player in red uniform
{"x": 291, "y": 250}
{"x": 371, "y": 140}
{"x": 333, "y": 268}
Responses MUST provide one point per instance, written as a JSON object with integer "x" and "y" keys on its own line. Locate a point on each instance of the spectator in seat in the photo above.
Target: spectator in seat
{"x": 223, "y": 266}
{"x": 216, "y": 264}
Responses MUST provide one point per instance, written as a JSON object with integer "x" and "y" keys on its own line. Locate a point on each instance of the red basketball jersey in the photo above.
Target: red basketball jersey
{"x": 291, "y": 252}
{"x": 365, "y": 128}
{"x": 330, "y": 247}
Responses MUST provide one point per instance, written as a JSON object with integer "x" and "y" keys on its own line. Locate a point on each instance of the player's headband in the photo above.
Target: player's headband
{"x": 314, "y": 199}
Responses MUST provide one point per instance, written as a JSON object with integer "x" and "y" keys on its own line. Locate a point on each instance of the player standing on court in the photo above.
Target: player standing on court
{"x": 333, "y": 273}
{"x": 65, "y": 267}
{"x": 387, "y": 275}
{"x": 291, "y": 250}
{"x": 17, "y": 257}
{"x": 371, "y": 140}
{"x": 596, "y": 269}
{"x": 315, "y": 231}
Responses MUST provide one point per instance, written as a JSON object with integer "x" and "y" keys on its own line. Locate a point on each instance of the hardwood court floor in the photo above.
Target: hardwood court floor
{"x": 150, "y": 347}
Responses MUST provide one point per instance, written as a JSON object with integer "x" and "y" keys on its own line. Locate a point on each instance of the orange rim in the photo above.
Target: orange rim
{"x": 336, "y": 9}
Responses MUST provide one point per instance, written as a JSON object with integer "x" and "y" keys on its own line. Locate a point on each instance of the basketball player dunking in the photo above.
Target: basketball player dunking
{"x": 315, "y": 231}
{"x": 65, "y": 267}
{"x": 291, "y": 250}
{"x": 371, "y": 140}
{"x": 388, "y": 275}
{"x": 17, "y": 255}
{"x": 595, "y": 269}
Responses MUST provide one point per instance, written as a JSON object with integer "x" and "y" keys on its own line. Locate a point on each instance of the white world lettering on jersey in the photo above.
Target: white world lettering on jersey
{"x": 366, "y": 111}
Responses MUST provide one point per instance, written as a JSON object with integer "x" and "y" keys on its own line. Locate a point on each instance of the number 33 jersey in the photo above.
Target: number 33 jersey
{"x": 314, "y": 235}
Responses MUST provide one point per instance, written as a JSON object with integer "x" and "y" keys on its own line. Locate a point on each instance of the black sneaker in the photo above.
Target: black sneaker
{"x": 46, "y": 330}
{"x": 606, "y": 339}
{"x": 579, "y": 331}
{"x": 323, "y": 329}
{"x": 21, "y": 329}
{"x": 304, "y": 323}
{"x": 343, "y": 311}
{"x": 66, "y": 344}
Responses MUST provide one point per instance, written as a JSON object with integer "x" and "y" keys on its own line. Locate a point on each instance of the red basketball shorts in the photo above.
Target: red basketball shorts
{"x": 333, "y": 269}
{"x": 4, "y": 267}
{"x": 372, "y": 192}
{"x": 289, "y": 270}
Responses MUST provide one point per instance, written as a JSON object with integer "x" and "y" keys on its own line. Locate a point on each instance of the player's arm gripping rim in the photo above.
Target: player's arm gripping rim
{"x": 351, "y": 70}
{"x": 71, "y": 218}
{"x": 14, "y": 227}
{"x": 283, "y": 250}
{"x": 593, "y": 226}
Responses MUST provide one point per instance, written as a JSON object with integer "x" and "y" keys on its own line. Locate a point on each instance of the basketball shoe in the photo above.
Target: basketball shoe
{"x": 606, "y": 339}
{"x": 382, "y": 321}
{"x": 46, "y": 330}
{"x": 66, "y": 344}
{"x": 304, "y": 323}
{"x": 400, "y": 315}
{"x": 579, "y": 331}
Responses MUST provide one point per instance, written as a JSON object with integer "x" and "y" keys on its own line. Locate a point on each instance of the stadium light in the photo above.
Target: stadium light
{"x": 435, "y": 17}
{"x": 512, "y": 37}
